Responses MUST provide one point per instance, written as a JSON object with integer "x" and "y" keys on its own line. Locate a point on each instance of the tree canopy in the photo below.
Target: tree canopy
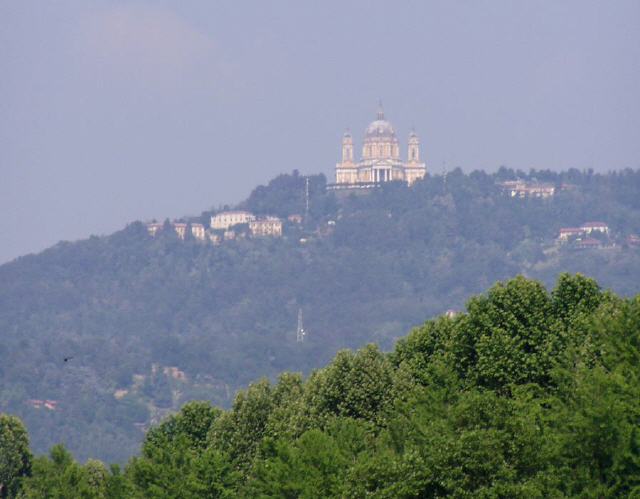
{"x": 527, "y": 393}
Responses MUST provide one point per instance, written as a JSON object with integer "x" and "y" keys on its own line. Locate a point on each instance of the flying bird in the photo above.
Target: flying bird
{"x": 67, "y": 359}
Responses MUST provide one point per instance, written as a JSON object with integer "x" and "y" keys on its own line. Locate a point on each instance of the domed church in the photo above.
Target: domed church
{"x": 380, "y": 160}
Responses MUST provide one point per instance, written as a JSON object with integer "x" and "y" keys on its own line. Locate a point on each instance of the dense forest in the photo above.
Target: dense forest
{"x": 529, "y": 393}
{"x": 104, "y": 337}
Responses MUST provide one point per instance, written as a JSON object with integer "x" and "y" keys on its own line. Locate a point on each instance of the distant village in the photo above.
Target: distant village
{"x": 228, "y": 225}
{"x": 239, "y": 224}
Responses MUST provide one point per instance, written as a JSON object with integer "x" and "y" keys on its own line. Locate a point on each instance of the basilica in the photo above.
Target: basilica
{"x": 380, "y": 160}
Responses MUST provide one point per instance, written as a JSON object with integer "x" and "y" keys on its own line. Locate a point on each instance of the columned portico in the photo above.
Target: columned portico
{"x": 382, "y": 175}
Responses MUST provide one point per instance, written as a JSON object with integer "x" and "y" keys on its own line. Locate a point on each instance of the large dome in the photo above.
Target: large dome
{"x": 380, "y": 128}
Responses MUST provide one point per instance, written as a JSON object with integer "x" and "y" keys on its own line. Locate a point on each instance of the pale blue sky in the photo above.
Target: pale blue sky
{"x": 112, "y": 111}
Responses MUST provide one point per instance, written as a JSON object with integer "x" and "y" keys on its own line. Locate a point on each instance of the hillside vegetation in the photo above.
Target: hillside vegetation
{"x": 147, "y": 324}
{"x": 527, "y": 394}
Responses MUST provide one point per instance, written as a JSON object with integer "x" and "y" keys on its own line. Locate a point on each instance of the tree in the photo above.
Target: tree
{"x": 239, "y": 431}
{"x": 312, "y": 466}
{"x": 193, "y": 423}
{"x": 513, "y": 333}
{"x": 575, "y": 295}
{"x": 59, "y": 476}
{"x": 356, "y": 385}
{"x": 15, "y": 457}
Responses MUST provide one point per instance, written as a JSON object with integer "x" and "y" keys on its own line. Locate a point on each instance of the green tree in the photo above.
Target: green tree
{"x": 575, "y": 295}
{"x": 356, "y": 385}
{"x": 59, "y": 476}
{"x": 513, "y": 334}
{"x": 193, "y": 423}
{"x": 176, "y": 462}
{"x": 172, "y": 468}
{"x": 15, "y": 457}
{"x": 312, "y": 466}
{"x": 240, "y": 431}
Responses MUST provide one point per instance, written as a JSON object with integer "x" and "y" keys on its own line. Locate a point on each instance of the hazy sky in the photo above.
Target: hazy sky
{"x": 113, "y": 111}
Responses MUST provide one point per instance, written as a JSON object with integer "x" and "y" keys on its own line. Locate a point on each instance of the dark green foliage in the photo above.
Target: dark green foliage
{"x": 59, "y": 476}
{"x": 15, "y": 457}
{"x": 192, "y": 423}
{"x": 356, "y": 385}
{"x": 513, "y": 335}
{"x": 312, "y": 466}
{"x": 529, "y": 394}
{"x": 176, "y": 461}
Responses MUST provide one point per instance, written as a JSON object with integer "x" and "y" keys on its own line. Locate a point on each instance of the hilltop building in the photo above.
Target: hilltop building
{"x": 567, "y": 233}
{"x": 380, "y": 161}
{"x": 153, "y": 228}
{"x": 267, "y": 226}
{"x": 522, "y": 189}
{"x": 181, "y": 229}
{"x": 198, "y": 231}
{"x": 590, "y": 227}
{"x": 226, "y": 219}
{"x": 586, "y": 229}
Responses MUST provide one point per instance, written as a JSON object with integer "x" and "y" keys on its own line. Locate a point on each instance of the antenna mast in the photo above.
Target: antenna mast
{"x": 306, "y": 199}
{"x": 301, "y": 332}
{"x": 444, "y": 174}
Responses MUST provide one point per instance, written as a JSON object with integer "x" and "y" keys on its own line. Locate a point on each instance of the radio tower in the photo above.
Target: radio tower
{"x": 306, "y": 199}
{"x": 301, "y": 332}
{"x": 444, "y": 174}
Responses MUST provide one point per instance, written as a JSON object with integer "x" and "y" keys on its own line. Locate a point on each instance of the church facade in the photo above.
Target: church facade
{"x": 380, "y": 160}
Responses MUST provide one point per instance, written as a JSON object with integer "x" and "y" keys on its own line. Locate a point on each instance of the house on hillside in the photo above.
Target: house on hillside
{"x": 198, "y": 231}
{"x": 590, "y": 227}
{"x": 181, "y": 229}
{"x": 226, "y": 219}
{"x": 567, "y": 233}
{"x": 522, "y": 189}
{"x": 266, "y": 227}
{"x": 580, "y": 234}
{"x": 46, "y": 404}
{"x": 153, "y": 228}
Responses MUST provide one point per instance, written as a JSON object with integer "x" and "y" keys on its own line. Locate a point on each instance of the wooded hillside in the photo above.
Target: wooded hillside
{"x": 148, "y": 324}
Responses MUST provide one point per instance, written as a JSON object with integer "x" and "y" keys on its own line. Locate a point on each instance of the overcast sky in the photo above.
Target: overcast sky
{"x": 114, "y": 111}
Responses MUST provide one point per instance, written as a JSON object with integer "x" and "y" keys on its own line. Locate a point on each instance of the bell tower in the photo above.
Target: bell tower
{"x": 347, "y": 148}
{"x": 414, "y": 148}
